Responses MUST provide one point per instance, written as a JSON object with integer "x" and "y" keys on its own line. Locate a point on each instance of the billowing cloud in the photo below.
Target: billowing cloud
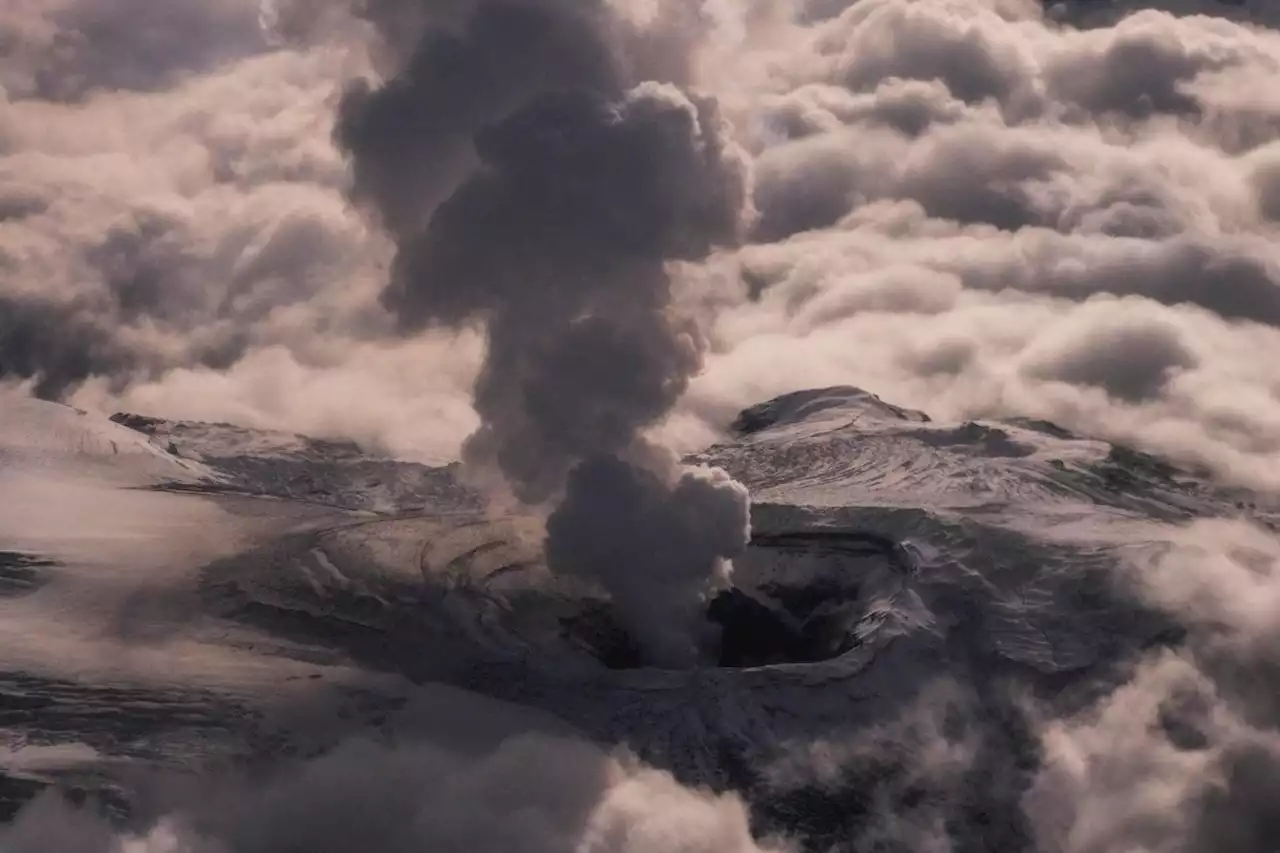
{"x": 1131, "y": 358}
{"x": 934, "y": 181}
{"x": 62, "y": 50}
{"x": 185, "y": 242}
{"x": 459, "y": 788}
{"x": 1184, "y": 757}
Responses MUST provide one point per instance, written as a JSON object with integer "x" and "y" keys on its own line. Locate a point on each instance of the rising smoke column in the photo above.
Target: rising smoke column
{"x": 533, "y": 186}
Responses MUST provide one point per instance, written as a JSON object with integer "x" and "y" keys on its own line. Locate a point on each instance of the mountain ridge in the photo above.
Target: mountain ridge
{"x": 966, "y": 563}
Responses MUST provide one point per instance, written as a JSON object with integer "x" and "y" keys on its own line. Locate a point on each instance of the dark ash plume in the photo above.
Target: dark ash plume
{"x": 560, "y": 245}
{"x": 652, "y": 544}
{"x": 55, "y": 346}
{"x": 411, "y": 140}
{"x": 462, "y": 65}
{"x": 531, "y": 188}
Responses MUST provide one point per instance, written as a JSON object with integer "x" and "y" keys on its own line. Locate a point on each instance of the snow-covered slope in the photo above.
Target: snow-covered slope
{"x": 105, "y": 649}
{"x": 967, "y": 563}
{"x": 835, "y": 446}
{"x": 297, "y": 467}
{"x": 52, "y": 439}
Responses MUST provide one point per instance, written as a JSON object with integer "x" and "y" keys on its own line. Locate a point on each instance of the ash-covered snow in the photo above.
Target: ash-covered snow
{"x": 51, "y": 439}
{"x": 297, "y": 467}
{"x": 181, "y": 583}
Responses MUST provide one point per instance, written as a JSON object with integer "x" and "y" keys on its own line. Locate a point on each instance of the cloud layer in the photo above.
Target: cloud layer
{"x": 976, "y": 208}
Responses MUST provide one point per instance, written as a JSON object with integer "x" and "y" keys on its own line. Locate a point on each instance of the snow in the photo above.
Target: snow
{"x": 110, "y": 641}
{"x": 218, "y": 573}
{"x": 57, "y": 440}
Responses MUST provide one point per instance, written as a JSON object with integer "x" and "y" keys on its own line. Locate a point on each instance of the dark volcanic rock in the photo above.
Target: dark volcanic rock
{"x": 138, "y": 423}
{"x": 22, "y": 573}
{"x": 753, "y": 633}
{"x": 16, "y": 792}
{"x": 756, "y": 633}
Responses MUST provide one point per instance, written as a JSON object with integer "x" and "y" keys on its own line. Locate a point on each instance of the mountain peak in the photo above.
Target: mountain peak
{"x": 837, "y": 402}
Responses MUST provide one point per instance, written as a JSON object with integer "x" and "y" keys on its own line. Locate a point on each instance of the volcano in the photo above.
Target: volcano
{"x": 228, "y": 571}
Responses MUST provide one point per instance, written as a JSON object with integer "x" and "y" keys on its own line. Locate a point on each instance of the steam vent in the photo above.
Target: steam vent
{"x": 809, "y": 609}
{"x": 796, "y": 597}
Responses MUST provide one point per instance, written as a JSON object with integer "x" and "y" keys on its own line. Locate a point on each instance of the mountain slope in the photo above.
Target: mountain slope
{"x": 957, "y": 569}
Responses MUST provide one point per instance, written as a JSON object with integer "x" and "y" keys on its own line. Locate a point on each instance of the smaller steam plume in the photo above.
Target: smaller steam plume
{"x": 582, "y": 191}
{"x": 654, "y": 545}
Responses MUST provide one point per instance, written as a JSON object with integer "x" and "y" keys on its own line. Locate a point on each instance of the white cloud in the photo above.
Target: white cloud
{"x": 1184, "y": 757}
{"x": 941, "y": 186}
